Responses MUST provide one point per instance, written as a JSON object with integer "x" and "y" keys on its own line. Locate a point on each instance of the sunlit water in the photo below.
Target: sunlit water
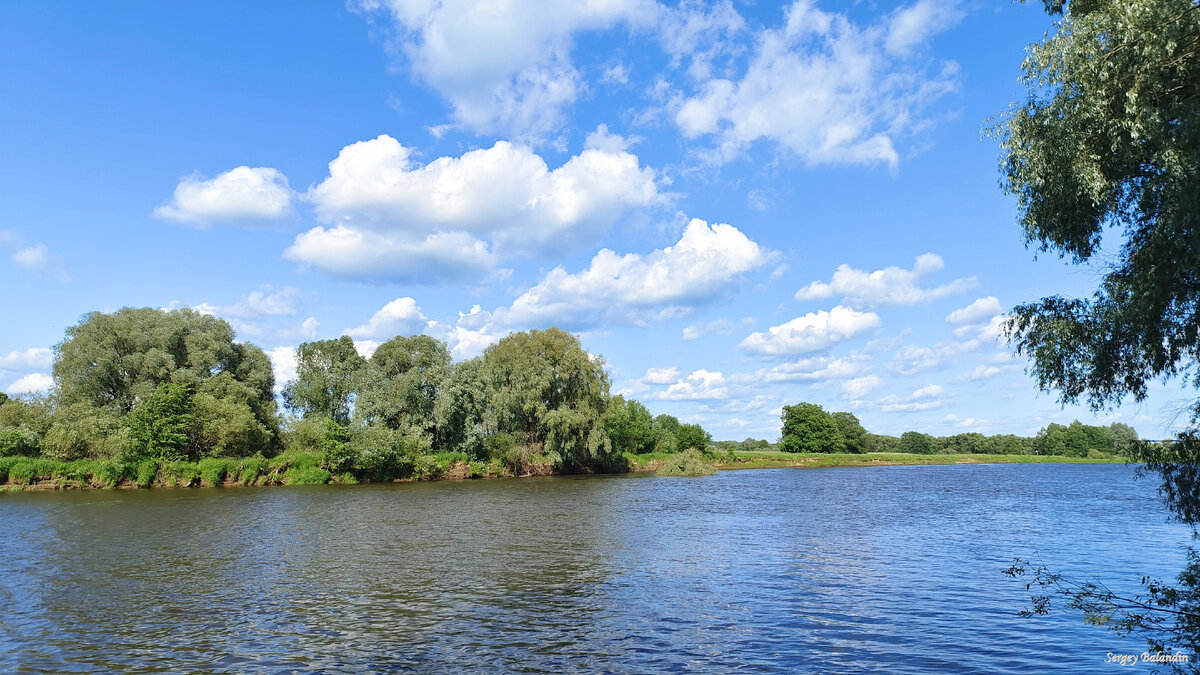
{"x": 895, "y": 569}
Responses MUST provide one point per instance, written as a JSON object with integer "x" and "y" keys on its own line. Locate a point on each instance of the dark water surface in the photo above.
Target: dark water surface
{"x": 894, "y": 569}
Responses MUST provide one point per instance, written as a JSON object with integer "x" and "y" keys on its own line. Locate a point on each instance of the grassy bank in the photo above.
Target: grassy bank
{"x": 299, "y": 468}
{"x": 767, "y": 459}
{"x": 289, "y": 468}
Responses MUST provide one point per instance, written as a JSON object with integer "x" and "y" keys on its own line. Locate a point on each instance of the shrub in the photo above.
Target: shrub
{"x": 213, "y": 470}
{"x": 425, "y": 467}
{"x": 147, "y": 471}
{"x": 305, "y": 475}
{"x": 18, "y": 442}
{"x": 250, "y": 470}
{"x": 21, "y": 472}
{"x": 687, "y": 463}
{"x": 108, "y": 473}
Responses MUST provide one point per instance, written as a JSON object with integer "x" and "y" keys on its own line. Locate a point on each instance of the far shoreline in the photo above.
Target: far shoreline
{"x": 50, "y": 475}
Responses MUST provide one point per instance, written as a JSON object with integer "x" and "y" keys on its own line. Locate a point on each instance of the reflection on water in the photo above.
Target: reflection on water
{"x": 890, "y": 568}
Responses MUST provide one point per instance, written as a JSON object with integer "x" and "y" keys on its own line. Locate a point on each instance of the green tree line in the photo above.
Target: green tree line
{"x": 807, "y": 427}
{"x": 142, "y": 387}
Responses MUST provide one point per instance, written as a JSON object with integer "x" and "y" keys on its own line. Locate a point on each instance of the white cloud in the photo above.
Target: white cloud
{"x": 33, "y": 358}
{"x": 38, "y": 259}
{"x": 660, "y": 375}
{"x": 890, "y": 286}
{"x": 860, "y": 386}
{"x": 913, "y": 359}
{"x": 812, "y": 332}
{"x": 401, "y": 316}
{"x": 822, "y": 87}
{"x": 389, "y": 218}
{"x": 618, "y": 73}
{"x": 700, "y": 385}
{"x": 718, "y": 327}
{"x": 244, "y": 194}
{"x": 807, "y": 370}
{"x": 924, "y": 398}
{"x": 366, "y": 348}
{"x": 34, "y": 383}
{"x": 283, "y": 362}
{"x": 505, "y": 68}
{"x": 267, "y": 300}
{"x": 982, "y": 309}
{"x": 668, "y": 282}
{"x": 699, "y": 32}
{"x": 471, "y": 333}
{"x": 913, "y": 25}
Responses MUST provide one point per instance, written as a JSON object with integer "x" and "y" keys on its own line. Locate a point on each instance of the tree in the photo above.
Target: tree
{"x": 400, "y": 387}
{"x": 327, "y": 379}
{"x": 693, "y": 436}
{"x": 548, "y": 391}
{"x": 854, "y": 436}
{"x": 109, "y": 365}
{"x": 1110, "y": 138}
{"x": 630, "y": 426}
{"x": 916, "y": 443}
{"x": 666, "y": 430}
{"x": 160, "y": 428}
{"x": 808, "y": 428}
{"x": 1124, "y": 437}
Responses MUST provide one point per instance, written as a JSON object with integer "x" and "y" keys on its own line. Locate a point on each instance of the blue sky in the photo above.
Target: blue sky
{"x": 738, "y": 205}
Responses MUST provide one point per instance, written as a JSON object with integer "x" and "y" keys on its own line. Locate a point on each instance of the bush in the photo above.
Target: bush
{"x": 250, "y": 470}
{"x": 306, "y": 475}
{"x": 19, "y": 442}
{"x": 108, "y": 473}
{"x": 687, "y": 463}
{"x": 425, "y": 467}
{"x": 213, "y": 470}
{"x": 21, "y": 472}
{"x": 147, "y": 471}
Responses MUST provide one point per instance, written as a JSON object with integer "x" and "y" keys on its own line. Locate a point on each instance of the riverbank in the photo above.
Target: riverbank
{"x": 298, "y": 468}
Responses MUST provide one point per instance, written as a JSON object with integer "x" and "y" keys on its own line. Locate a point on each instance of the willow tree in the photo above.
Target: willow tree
{"x": 110, "y": 366}
{"x": 1106, "y": 150}
{"x": 545, "y": 389}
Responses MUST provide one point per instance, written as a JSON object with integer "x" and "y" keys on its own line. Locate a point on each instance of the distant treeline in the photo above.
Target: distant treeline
{"x": 151, "y": 388}
{"x": 807, "y": 427}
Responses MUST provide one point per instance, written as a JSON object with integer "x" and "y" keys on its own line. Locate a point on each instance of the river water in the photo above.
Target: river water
{"x": 892, "y": 569}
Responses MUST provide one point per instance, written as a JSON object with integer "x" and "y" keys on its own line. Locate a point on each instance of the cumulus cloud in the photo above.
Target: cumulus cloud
{"x": 388, "y": 217}
{"x": 888, "y": 287}
{"x": 812, "y": 332}
{"x": 913, "y": 359}
{"x": 503, "y": 67}
{"x": 982, "y": 309}
{"x": 700, "y": 385}
{"x": 812, "y": 369}
{"x": 34, "y": 358}
{"x": 860, "y": 386}
{"x": 924, "y": 398}
{"x": 34, "y": 383}
{"x": 242, "y": 195}
{"x": 38, "y": 259}
{"x": 283, "y": 363}
{"x": 660, "y": 375}
{"x": 703, "y": 265}
{"x": 264, "y": 314}
{"x": 825, "y": 88}
{"x": 718, "y": 327}
{"x": 401, "y": 316}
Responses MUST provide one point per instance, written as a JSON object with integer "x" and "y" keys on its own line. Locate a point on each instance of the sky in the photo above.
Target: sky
{"x": 737, "y": 205}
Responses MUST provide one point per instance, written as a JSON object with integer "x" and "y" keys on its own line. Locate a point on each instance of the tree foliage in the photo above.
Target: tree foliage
{"x": 119, "y": 368}
{"x": 807, "y": 427}
{"x": 328, "y": 375}
{"x": 1109, "y": 141}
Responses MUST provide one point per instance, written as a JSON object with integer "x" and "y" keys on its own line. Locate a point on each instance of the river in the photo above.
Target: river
{"x": 894, "y": 569}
